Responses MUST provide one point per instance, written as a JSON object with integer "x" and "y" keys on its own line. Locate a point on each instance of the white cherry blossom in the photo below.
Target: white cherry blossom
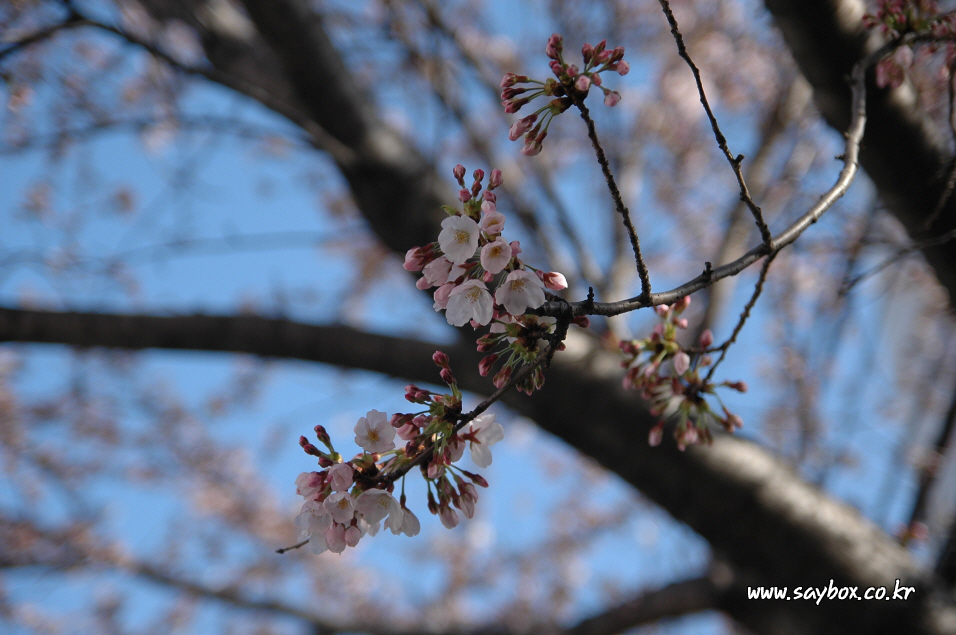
{"x": 493, "y": 223}
{"x": 469, "y": 301}
{"x": 520, "y": 291}
{"x": 340, "y": 476}
{"x": 376, "y": 504}
{"x": 341, "y": 507}
{"x": 374, "y": 433}
{"x": 458, "y": 238}
{"x": 487, "y": 432}
{"x": 495, "y": 256}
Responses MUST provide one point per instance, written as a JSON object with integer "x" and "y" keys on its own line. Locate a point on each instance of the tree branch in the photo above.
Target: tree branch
{"x": 783, "y": 532}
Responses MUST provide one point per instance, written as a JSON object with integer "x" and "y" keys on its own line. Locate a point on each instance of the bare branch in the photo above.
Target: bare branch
{"x": 721, "y": 140}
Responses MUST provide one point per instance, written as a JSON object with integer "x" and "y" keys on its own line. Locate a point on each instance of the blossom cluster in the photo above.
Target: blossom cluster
{"x": 481, "y": 280}
{"x": 896, "y": 18}
{"x": 348, "y": 500}
{"x": 571, "y": 82}
{"x": 669, "y": 378}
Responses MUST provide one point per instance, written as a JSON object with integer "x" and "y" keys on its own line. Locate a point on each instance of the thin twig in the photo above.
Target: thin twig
{"x": 721, "y": 140}
{"x": 71, "y": 22}
{"x": 900, "y": 253}
{"x": 616, "y": 196}
{"x": 710, "y": 275}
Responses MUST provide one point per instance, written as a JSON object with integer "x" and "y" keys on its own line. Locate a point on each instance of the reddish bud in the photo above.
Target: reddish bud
{"x": 582, "y": 83}
{"x": 477, "y": 479}
{"x": 322, "y": 435}
{"x": 440, "y": 359}
{"x": 325, "y": 461}
{"x": 554, "y": 47}
{"x": 612, "y": 98}
{"x": 459, "y": 171}
{"x": 464, "y": 195}
{"x": 484, "y": 366}
{"x": 479, "y": 174}
{"x": 588, "y": 52}
{"x": 502, "y": 377}
{"x": 447, "y": 376}
{"x": 496, "y": 180}
{"x": 706, "y": 338}
{"x": 582, "y": 320}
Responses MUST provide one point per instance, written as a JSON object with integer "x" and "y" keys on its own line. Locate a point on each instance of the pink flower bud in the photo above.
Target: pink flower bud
{"x": 322, "y": 435}
{"x": 582, "y": 320}
{"x": 408, "y": 431}
{"x": 479, "y": 174}
{"x": 435, "y": 469}
{"x": 681, "y": 305}
{"x": 496, "y": 179}
{"x": 596, "y": 79}
{"x": 502, "y": 377}
{"x": 464, "y": 195}
{"x": 440, "y": 359}
{"x": 448, "y": 517}
{"x": 739, "y": 386}
{"x": 352, "y": 536}
{"x": 422, "y": 284}
{"x": 588, "y": 52}
{"x": 515, "y": 248}
{"x": 706, "y": 338}
{"x": 477, "y": 479}
{"x": 555, "y": 44}
{"x": 617, "y": 54}
{"x": 325, "y": 461}
{"x": 662, "y": 310}
{"x": 681, "y": 323}
{"x": 582, "y": 83}
{"x": 484, "y": 366}
{"x": 510, "y": 79}
{"x": 572, "y": 70}
{"x": 459, "y": 170}
{"x": 612, "y": 98}
{"x": 554, "y": 280}
{"x": 602, "y": 58}
{"x": 447, "y": 376}
{"x": 514, "y": 105}
{"x": 681, "y": 363}
{"x": 734, "y": 422}
{"x": 521, "y": 126}
{"x": 488, "y": 197}
{"x": 622, "y": 68}
{"x": 414, "y": 259}
{"x": 600, "y": 46}
{"x": 557, "y": 68}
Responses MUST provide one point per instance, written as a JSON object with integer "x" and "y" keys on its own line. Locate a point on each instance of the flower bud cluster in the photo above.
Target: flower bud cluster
{"x": 349, "y": 499}
{"x": 670, "y": 379}
{"x": 569, "y": 82}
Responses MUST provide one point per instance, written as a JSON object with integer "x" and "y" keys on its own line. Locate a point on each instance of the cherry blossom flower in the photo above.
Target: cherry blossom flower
{"x": 496, "y": 255}
{"x": 470, "y": 301}
{"x": 374, "y": 433}
{"x": 313, "y": 521}
{"x": 521, "y": 290}
{"x": 335, "y": 537}
{"x": 486, "y": 433}
{"x": 410, "y": 525}
{"x": 341, "y": 506}
{"x": 308, "y": 483}
{"x": 441, "y": 295}
{"x": 436, "y": 272}
{"x": 340, "y": 475}
{"x": 493, "y": 223}
{"x": 352, "y": 535}
{"x": 458, "y": 238}
{"x": 375, "y": 504}
{"x": 448, "y": 517}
